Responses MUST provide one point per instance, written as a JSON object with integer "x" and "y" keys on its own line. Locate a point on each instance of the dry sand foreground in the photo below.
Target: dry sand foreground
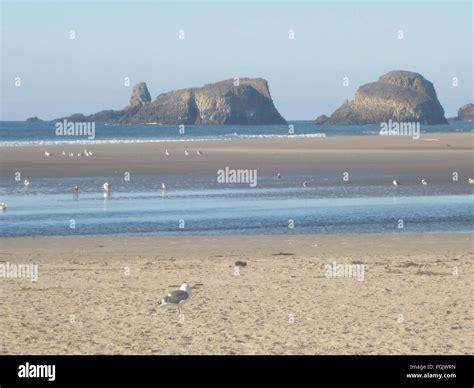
{"x": 281, "y": 303}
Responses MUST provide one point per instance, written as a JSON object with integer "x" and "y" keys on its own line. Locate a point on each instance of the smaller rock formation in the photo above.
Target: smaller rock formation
{"x": 400, "y": 96}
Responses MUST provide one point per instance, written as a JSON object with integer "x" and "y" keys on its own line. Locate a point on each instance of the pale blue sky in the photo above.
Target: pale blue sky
{"x": 223, "y": 40}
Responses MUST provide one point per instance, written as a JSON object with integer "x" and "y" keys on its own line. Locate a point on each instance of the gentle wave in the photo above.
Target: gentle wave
{"x": 133, "y": 141}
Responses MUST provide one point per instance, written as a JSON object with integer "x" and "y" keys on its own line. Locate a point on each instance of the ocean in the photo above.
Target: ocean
{"x": 17, "y": 133}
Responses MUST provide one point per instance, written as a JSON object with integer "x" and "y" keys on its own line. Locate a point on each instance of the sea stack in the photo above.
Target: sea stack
{"x": 243, "y": 102}
{"x": 402, "y": 96}
{"x": 465, "y": 113}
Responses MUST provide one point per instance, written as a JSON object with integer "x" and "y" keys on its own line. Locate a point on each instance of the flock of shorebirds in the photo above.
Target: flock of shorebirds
{"x": 89, "y": 153}
{"x": 107, "y": 187}
{"x": 71, "y": 154}
{"x": 395, "y": 182}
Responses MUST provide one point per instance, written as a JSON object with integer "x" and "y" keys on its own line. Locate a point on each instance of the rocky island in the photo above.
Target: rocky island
{"x": 33, "y": 119}
{"x": 246, "y": 102}
{"x": 401, "y": 96}
{"x": 465, "y": 113}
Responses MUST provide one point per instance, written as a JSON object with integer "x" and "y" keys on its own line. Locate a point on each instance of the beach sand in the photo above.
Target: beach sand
{"x": 434, "y": 156}
{"x": 98, "y": 295}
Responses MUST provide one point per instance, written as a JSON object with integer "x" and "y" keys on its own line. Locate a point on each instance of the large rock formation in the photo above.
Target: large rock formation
{"x": 401, "y": 96}
{"x": 220, "y": 103}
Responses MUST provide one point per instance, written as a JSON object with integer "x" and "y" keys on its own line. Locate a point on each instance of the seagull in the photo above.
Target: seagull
{"x": 71, "y": 154}
{"x": 177, "y": 297}
{"x": 278, "y": 176}
{"x": 3, "y": 206}
{"x": 107, "y": 187}
{"x": 46, "y": 153}
{"x": 26, "y": 182}
{"x": 396, "y": 183}
{"x": 64, "y": 153}
{"x": 90, "y": 153}
{"x": 163, "y": 186}
{"x": 186, "y": 152}
{"x": 305, "y": 184}
{"x": 167, "y": 153}
{"x": 471, "y": 181}
{"x": 199, "y": 152}
{"x": 76, "y": 189}
{"x": 424, "y": 182}
{"x": 79, "y": 154}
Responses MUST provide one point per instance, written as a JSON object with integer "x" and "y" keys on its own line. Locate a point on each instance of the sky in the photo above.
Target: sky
{"x": 140, "y": 40}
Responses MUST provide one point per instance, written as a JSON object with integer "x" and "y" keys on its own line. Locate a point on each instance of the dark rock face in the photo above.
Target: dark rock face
{"x": 401, "y": 96}
{"x": 220, "y": 103}
{"x": 466, "y": 113}
{"x": 140, "y": 95}
{"x": 34, "y": 119}
{"x": 321, "y": 119}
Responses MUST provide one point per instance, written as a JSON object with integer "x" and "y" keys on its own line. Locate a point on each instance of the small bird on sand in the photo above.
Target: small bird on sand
{"x": 471, "y": 181}
{"x": 46, "y": 153}
{"x": 278, "y": 176}
{"x": 167, "y": 152}
{"x": 186, "y": 152}
{"x": 177, "y": 297}
{"x": 76, "y": 189}
{"x": 64, "y": 153}
{"x": 163, "y": 186}
{"x": 396, "y": 183}
{"x": 26, "y": 182}
{"x": 107, "y": 187}
{"x": 199, "y": 152}
{"x": 305, "y": 184}
{"x": 3, "y": 206}
{"x": 424, "y": 182}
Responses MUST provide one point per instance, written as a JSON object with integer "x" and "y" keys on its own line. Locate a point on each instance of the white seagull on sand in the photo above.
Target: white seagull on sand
{"x": 107, "y": 187}
{"x": 26, "y": 182}
{"x": 167, "y": 153}
{"x": 3, "y": 206}
{"x": 186, "y": 152}
{"x": 46, "y": 153}
{"x": 396, "y": 183}
{"x": 278, "y": 176}
{"x": 424, "y": 182}
{"x": 305, "y": 184}
{"x": 76, "y": 189}
{"x": 163, "y": 186}
{"x": 199, "y": 152}
{"x": 64, "y": 153}
{"x": 177, "y": 297}
{"x": 471, "y": 181}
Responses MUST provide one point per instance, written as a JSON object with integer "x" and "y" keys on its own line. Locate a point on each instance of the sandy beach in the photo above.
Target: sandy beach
{"x": 99, "y": 295}
{"x": 434, "y": 156}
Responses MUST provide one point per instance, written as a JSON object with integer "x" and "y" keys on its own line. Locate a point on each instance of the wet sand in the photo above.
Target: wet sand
{"x": 434, "y": 157}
